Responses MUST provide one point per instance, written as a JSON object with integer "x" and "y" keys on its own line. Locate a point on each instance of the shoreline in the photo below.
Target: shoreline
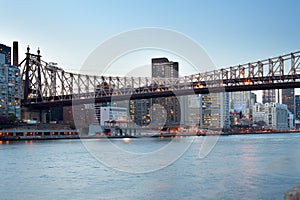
{"x": 65, "y": 137}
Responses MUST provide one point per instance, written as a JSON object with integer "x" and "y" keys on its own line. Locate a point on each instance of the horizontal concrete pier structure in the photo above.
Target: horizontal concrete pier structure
{"x": 36, "y": 134}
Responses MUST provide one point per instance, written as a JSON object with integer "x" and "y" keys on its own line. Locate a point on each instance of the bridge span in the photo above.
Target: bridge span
{"x": 45, "y": 85}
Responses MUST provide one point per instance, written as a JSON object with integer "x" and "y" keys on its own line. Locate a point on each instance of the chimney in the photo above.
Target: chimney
{"x": 15, "y": 53}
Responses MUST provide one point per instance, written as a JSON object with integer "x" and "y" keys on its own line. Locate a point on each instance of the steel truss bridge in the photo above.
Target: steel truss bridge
{"x": 46, "y": 85}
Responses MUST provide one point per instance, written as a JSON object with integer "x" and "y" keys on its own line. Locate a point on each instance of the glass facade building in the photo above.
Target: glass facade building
{"x": 288, "y": 98}
{"x": 269, "y": 96}
{"x": 297, "y": 107}
{"x": 6, "y": 51}
{"x": 214, "y": 112}
{"x": 147, "y": 111}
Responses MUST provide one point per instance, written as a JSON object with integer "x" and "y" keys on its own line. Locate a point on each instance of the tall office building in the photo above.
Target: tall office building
{"x": 163, "y": 68}
{"x": 194, "y": 107}
{"x": 214, "y": 111}
{"x": 5, "y": 52}
{"x": 139, "y": 111}
{"x": 268, "y": 96}
{"x": 288, "y": 98}
{"x": 240, "y": 102}
{"x": 9, "y": 84}
{"x": 146, "y": 111}
{"x": 297, "y": 107}
{"x": 253, "y": 100}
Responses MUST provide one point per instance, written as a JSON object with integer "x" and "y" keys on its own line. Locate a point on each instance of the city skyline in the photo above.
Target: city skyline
{"x": 142, "y": 99}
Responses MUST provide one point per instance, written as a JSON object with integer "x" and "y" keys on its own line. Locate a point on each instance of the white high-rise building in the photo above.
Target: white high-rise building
{"x": 10, "y": 94}
{"x": 10, "y": 90}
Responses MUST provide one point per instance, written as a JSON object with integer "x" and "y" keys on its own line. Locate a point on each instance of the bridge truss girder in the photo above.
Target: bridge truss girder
{"x": 44, "y": 83}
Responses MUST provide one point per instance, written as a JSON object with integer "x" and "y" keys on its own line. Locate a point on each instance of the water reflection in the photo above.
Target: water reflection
{"x": 126, "y": 140}
{"x": 249, "y": 164}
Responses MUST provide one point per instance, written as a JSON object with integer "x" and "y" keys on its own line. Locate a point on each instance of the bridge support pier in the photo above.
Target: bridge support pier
{"x": 30, "y": 114}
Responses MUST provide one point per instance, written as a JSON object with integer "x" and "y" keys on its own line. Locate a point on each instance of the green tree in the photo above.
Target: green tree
{"x": 12, "y": 118}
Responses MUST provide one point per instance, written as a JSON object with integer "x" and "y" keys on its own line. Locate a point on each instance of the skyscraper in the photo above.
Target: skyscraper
{"x": 214, "y": 111}
{"x": 288, "y": 98}
{"x": 6, "y": 52}
{"x": 146, "y": 111}
{"x": 269, "y": 96}
{"x": 240, "y": 102}
{"x": 297, "y": 107}
{"x": 163, "y": 68}
{"x": 140, "y": 112}
{"x": 9, "y": 84}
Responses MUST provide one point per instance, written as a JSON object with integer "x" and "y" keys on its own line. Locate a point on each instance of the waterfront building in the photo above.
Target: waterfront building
{"x": 9, "y": 85}
{"x": 288, "y": 98}
{"x": 163, "y": 68}
{"x": 297, "y": 107}
{"x": 139, "y": 111}
{"x": 146, "y": 111}
{"x": 104, "y": 114}
{"x": 55, "y": 115}
{"x": 258, "y": 113}
{"x": 214, "y": 112}
{"x": 291, "y": 120}
{"x": 253, "y": 100}
{"x": 242, "y": 107}
{"x": 194, "y": 110}
{"x": 240, "y": 103}
{"x": 274, "y": 115}
{"x": 184, "y": 110}
{"x": 268, "y": 96}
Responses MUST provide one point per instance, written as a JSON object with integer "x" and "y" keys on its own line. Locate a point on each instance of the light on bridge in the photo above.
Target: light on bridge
{"x": 198, "y": 85}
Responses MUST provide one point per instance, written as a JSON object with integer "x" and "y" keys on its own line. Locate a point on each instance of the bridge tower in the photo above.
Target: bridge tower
{"x": 33, "y": 77}
{"x": 32, "y": 85}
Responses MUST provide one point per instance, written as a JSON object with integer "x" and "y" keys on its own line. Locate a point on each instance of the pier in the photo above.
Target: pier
{"x": 28, "y": 134}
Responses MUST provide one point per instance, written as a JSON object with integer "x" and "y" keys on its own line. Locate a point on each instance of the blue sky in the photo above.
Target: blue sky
{"x": 232, "y": 32}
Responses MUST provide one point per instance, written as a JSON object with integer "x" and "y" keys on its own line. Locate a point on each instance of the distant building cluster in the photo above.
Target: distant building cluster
{"x": 273, "y": 116}
{"x": 10, "y": 94}
{"x": 216, "y": 110}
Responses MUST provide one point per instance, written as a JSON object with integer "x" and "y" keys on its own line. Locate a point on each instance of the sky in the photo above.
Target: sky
{"x": 231, "y": 32}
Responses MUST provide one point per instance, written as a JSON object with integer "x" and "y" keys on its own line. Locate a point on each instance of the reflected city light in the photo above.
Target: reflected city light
{"x": 127, "y": 140}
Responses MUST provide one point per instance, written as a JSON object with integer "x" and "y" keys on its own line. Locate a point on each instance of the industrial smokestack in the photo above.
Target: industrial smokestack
{"x": 15, "y": 53}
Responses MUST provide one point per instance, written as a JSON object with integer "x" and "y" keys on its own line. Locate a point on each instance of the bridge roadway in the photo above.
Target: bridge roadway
{"x": 274, "y": 73}
{"x": 90, "y": 100}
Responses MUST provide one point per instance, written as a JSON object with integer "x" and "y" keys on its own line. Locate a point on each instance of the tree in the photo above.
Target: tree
{"x": 4, "y": 120}
{"x": 12, "y": 118}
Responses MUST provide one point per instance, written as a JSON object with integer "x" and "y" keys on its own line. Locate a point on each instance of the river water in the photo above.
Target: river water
{"x": 236, "y": 167}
